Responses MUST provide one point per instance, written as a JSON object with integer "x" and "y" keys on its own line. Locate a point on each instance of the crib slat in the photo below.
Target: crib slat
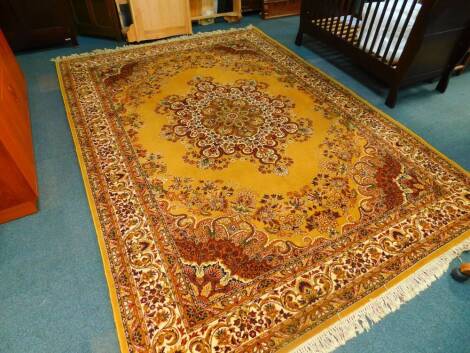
{"x": 331, "y": 14}
{"x": 387, "y": 26}
{"x": 403, "y": 30}
{"x": 379, "y": 26}
{"x": 364, "y": 20}
{"x": 348, "y": 11}
{"x": 338, "y": 14}
{"x": 392, "y": 35}
{"x": 324, "y": 18}
{"x": 314, "y": 12}
{"x": 371, "y": 25}
{"x": 361, "y": 8}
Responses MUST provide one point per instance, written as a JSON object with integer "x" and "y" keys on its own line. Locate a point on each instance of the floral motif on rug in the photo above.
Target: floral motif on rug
{"x": 242, "y": 197}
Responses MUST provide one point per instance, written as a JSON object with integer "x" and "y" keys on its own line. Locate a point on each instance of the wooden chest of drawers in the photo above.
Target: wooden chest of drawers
{"x": 252, "y": 5}
{"x": 18, "y": 185}
{"x": 29, "y": 24}
{"x": 279, "y": 8}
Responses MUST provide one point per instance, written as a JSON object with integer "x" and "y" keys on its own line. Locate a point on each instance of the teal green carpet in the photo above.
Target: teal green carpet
{"x": 53, "y": 294}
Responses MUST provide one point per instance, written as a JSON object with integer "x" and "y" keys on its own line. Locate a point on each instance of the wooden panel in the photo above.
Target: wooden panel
{"x": 279, "y": 8}
{"x": 252, "y": 5}
{"x": 32, "y": 24}
{"x": 96, "y": 18}
{"x": 18, "y": 184}
{"x": 155, "y": 19}
{"x": 202, "y": 7}
{"x": 16, "y": 197}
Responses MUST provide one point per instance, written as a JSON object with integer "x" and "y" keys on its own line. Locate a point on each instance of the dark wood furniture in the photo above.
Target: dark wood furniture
{"x": 96, "y": 18}
{"x": 251, "y": 5}
{"x": 438, "y": 39}
{"x": 463, "y": 64}
{"x": 18, "y": 185}
{"x": 29, "y": 24}
{"x": 280, "y": 8}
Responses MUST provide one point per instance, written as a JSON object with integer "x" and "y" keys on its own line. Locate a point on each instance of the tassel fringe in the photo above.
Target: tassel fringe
{"x": 154, "y": 43}
{"x": 361, "y": 320}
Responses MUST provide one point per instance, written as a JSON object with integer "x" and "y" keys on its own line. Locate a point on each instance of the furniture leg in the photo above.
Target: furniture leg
{"x": 392, "y": 97}
{"x": 300, "y": 36}
{"x": 444, "y": 81}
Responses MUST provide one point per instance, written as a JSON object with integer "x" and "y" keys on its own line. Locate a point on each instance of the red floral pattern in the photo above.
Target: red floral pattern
{"x": 210, "y": 281}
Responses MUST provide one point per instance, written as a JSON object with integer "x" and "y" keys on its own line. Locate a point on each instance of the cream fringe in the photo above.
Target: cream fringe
{"x": 154, "y": 43}
{"x": 361, "y": 320}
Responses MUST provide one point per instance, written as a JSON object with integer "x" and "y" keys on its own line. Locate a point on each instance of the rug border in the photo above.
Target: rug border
{"x": 296, "y": 343}
{"x": 122, "y": 339}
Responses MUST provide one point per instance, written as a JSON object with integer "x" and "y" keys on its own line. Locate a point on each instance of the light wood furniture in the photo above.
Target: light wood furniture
{"x": 18, "y": 184}
{"x": 155, "y": 19}
{"x": 199, "y": 7}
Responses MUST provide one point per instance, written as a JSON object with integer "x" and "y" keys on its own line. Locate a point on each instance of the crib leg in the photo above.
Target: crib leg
{"x": 392, "y": 97}
{"x": 443, "y": 82}
{"x": 300, "y": 36}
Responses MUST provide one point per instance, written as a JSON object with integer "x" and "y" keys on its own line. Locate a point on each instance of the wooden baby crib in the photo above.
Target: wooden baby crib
{"x": 401, "y": 42}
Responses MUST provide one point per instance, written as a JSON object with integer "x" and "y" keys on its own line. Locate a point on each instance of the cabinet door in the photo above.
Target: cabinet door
{"x": 31, "y": 24}
{"x": 155, "y": 19}
{"x": 96, "y": 18}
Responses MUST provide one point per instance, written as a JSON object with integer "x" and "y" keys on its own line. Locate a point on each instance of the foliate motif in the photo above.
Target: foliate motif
{"x": 223, "y": 122}
{"x": 337, "y": 200}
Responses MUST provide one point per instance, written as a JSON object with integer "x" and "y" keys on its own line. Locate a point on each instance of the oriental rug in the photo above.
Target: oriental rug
{"x": 246, "y": 202}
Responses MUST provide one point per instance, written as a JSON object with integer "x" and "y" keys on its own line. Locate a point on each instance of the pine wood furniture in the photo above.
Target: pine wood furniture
{"x": 18, "y": 185}
{"x": 96, "y": 18}
{"x": 31, "y": 24}
{"x": 155, "y": 19}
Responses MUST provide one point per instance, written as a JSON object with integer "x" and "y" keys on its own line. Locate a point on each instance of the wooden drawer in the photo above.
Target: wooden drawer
{"x": 18, "y": 183}
{"x": 279, "y": 8}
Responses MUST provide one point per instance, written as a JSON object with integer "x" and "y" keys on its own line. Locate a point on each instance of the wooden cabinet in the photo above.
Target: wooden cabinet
{"x": 96, "y": 18}
{"x": 18, "y": 185}
{"x": 252, "y": 5}
{"x": 29, "y": 24}
{"x": 155, "y": 19}
{"x": 279, "y": 8}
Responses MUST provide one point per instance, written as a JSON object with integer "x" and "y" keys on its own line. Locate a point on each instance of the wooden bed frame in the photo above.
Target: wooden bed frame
{"x": 438, "y": 40}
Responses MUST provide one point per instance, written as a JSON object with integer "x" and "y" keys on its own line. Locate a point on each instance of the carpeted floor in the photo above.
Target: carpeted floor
{"x": 53, "y": 295}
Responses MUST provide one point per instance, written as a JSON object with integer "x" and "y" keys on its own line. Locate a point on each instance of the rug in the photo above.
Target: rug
{"x": 246, "y": 202}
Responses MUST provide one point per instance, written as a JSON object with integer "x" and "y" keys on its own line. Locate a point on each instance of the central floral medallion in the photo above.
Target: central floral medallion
{"x": 219, "y": 123}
